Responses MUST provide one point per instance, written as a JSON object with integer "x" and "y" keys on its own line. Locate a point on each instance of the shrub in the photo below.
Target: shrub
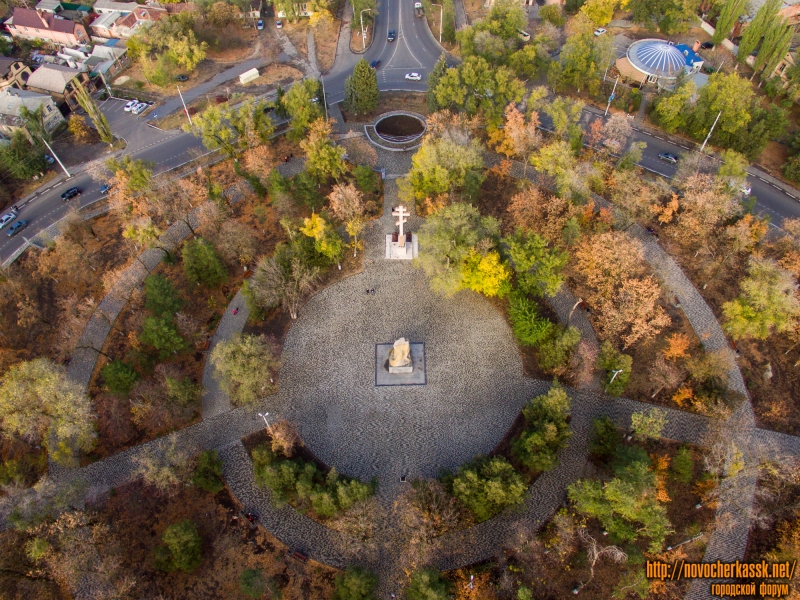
{"x": 546, "y": 430}
{"x": 201, "y": 264}
{"x": 366, "y": 179}
{"x": 649, "y": 425}
{"x": 252, "y": 583}
{"x": 617, "y": 367}
{"x": 355, "y": 584}
{"x": 555, "y": 350}
{"x": 683, "y": 465}
{"x": 161, "y": 299}
{"x": 245, "y": 366}
{"x": 551, "y": 13}
{"x": 208, "y": 472}
{"x": 183, "y": 548}
{"x": 488, "y": 485}
{"x": 529, "y": 328}
{"x": 605, "y": 438}
{"x": 119, "y": 377}
{"x": 161, "y": 334}
{"x": 427, "y": 585}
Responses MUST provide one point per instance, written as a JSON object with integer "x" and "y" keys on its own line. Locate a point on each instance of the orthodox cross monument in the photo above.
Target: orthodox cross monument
{"x": 401, "y": 245}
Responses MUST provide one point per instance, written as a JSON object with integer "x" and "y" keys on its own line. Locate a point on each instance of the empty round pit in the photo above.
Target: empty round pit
{"x": 400, "y": 128}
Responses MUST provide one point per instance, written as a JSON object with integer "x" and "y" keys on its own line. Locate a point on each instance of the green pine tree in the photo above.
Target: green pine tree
{"x": 361, "y": 89}
{"x": 757, "y": 29}
{"x": 730, "y": 13}
{"x": 439, "y": 70}
{"x": 202, "y": 265}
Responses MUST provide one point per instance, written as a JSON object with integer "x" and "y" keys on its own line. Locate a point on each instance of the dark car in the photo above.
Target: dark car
{"x": 181, "y": 78}
{"x": 71, "y": 193}
{"x": 269, "y": 108}
{"x": 391, "y": 35}
{"x": 668, "y": 157}
{"x": 17, "y": 227}
{"x": 105, "y": 188}
{"x": 375, "y": 64}
{"x": 707, "y": 45}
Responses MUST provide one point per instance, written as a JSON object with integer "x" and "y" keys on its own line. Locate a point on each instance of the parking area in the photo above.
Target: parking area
{"x": 129, "y": 126}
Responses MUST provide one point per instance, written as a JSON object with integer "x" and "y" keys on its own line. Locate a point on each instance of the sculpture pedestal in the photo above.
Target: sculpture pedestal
{"x": 414, "y": 374}
{"x": 405, "y": 250}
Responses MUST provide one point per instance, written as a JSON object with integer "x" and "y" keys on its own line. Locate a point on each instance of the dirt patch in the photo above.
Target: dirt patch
{"x": 275, "y": 73}
{"x": 389, "y": 101}
{"x": 297, "y": 34}
{"x": 326, "y": 39}
{"x": 475, "y": 10}
{"x": 773, "y": 159}
{"x": 357, "y": 44}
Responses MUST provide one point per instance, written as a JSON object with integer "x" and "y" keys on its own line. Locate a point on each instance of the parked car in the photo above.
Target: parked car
{"x": 181, "y": 78}
{"x": 129, "y": 106}
{"x": 139, "y": 108}
{"x": 105, "y": 188}
{"x": 269, "y": 108}
{"x": 278, "y": 24}
{"x": 17, "y": 227}
{"x": 668, "y": 157}
{"x": 413, "y": 77}
{"x": 71, "y": 193}
{"x": 49, "y": 159}
{"x": 391, "y": 35}
{"x": 707, "y": 45}
{"x": 7, "y": 218}
{"x": 375, "y": 64}
{"x": 599, "y": 31}
{"x": 260, "y": 24}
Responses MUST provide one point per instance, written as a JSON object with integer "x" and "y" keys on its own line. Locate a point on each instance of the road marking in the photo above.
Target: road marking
{"x": 762, "y": 179}
{"x": 790, "y": 196}
{"x": 685, "y": 147}
{"x": 775, "y": 186}
{"x": 658, "y": 137}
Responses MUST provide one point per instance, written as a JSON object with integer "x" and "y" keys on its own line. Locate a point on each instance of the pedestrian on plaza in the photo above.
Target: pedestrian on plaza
{"x": 235, "y": 310}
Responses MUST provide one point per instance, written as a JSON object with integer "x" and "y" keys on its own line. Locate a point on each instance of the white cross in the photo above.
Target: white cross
{"x": 401, "y": 213}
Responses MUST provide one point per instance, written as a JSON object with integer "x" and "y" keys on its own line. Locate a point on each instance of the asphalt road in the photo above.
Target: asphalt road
{"x": 414, "y": 50}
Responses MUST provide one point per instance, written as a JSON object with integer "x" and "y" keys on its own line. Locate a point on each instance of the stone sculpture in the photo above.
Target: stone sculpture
{"x": 400, "y": 357}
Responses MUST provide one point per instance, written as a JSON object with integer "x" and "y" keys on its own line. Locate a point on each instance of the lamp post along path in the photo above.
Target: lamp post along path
{"x": 363, "y": 35}
{"x": 264, "y": 416}
{"x": 441, "y": 20}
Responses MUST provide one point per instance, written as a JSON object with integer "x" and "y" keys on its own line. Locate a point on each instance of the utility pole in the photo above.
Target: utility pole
{"x": 710, "y": 131}
{"x": 186, "y": 110}
{"x": 363, "y": 37}
{"x": 56, "y": 157}
{"x": 324, "y": 101}
{"x": 611, "y": 97}
{"x": 441, "y": 20}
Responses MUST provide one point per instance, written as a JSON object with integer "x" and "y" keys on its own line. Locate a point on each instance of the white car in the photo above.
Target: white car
{"x": 746, "y": 189}
{"x": 129, "y": 106}
{"x": 6, "y": 219}
{"x": 599, "y": 31}
{"x": 278, "y": 25}
{"x": 413, "y": 77}
{"x": 139, "y": 108}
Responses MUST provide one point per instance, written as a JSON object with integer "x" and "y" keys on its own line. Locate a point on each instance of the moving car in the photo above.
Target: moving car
{"x": 413, "y": 76}
{"x": 71, "y": 193}
{"x": 391, "y": 35}
{"x": 129, "y": 106}
{"x": 599, "y": 31}
{"x": 17, "y": 227}
{"x": 707, "y": 45}
{"x": 105, "y": 188}
{"x": 139, "y": 108}
{"x": 181, "y": 78}
{"x": 278, "y": 24}
{"x": 260, "y": 24}
{"x": 375, "y": 64}
{"x": 668, "y": 157}
{"x": 7, "y": 218}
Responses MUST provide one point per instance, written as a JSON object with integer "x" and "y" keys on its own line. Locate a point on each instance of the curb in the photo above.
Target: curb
{"x": 364, "y": 51}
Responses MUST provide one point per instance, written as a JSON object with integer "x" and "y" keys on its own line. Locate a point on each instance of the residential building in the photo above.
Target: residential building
{"x": 13, "y": 73}
{"x": 51, "y": 6}
{"x": 302, "y": 9}
{"x": 103, "y": 26}
{"x": 60, "y": 82}
{"x": 143, "y": 16}
{"x": 11, "y": 102}
{"x": 660, "y": 62}
{"x": 26, "y": 23}
{"x": 102, "y": 7}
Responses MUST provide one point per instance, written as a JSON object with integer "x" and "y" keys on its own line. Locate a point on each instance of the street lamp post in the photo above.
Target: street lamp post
{"x": 610, "y": 382}
{"x": 264, "y": 416}
{"x": 611, "y": 97}
{"x": 56, "y": 157}
{"x": 324, "y": 101}
{"x": 441, "y": 20}
{"x": 710, "y": 131}
{"x": 363, "y": 37}
{"x": 186, "y": 110}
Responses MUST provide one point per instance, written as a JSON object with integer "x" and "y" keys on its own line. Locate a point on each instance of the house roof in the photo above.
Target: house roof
{"x": 53, "y": 78}
{"x": 52, "y": 6}
{"x": 5, "y": 65}
{"x": 27, "y": 17}
{"x": 179, "y": 7}
{"x": 12, "y": 100}
{"x": 690, "y": 56}
{"x": 106, "y": 20}
{"x": 102, "y": 6}
{"x": 142, "y": 13}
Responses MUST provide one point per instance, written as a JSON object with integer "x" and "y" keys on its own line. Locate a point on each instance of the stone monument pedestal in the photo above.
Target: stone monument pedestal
{"x": 405, "y": 250}
{"x": 413, "y": 374}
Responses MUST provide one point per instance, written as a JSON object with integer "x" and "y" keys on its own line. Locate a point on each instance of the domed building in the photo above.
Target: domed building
{"x": 659, "y": 62}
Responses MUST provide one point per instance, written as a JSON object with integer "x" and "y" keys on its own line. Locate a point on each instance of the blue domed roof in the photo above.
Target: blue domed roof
{"x": 656, "y": 57}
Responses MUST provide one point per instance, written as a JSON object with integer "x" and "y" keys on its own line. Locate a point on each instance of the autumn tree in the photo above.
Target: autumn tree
{"x": 671, "y": 16}
{"x": 138, "y": 173}
{"x": 232, "y": 129}
{"x": 361, "y": 89}
{"x": 325, "y": 160}
{"x": 583, "y": 58}
{"x": 551, "y": 217}
{"x": 665, "y": 375}
{"x": 79, "y": 129}
{"x": 302, "y": 111}
{"x": 39, "y": 403}
{"x": 246, "y": 366}
{"x": 650, "y": 424}
{"x": 452, "y": 236}
{"x": 557, "y": 160}
{"x": 283, "y": 279}
{"x": 347, "y": 204}
{"x": 618, "y": 132}
{"x": 518, "y": 137}
{"x": 767, "y": 303}
{"x": 327, "y": 242}
{"x": 704, "y": 207}
{"x": 236, "y": 242}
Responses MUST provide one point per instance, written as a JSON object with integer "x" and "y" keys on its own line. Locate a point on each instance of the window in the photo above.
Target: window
{"x": 49, "y": 108}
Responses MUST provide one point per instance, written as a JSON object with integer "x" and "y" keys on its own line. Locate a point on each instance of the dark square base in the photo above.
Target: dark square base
{"x": 382, "y": 375}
